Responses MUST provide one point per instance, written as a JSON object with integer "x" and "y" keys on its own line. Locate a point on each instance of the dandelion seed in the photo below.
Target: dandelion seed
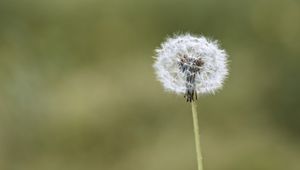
{"x": 191, "y": 65}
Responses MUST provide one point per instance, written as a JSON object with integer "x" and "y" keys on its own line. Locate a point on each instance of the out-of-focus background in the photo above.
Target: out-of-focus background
{"x": 78, "y": 91}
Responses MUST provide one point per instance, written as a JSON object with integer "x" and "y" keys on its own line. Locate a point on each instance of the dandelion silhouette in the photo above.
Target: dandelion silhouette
{"x": 191, "y": 65}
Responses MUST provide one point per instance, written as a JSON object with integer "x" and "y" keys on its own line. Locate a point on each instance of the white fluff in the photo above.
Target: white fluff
{"x": 211, "y": 75}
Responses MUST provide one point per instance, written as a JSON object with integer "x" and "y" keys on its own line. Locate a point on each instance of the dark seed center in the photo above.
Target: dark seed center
{"x": 190, "y": 67}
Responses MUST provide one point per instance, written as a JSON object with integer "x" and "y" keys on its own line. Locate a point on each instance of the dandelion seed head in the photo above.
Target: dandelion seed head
{"x": 190, "y": 65}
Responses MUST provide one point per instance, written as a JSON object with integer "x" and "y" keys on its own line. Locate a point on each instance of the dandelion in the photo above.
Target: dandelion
{"x": 191, "y": 65}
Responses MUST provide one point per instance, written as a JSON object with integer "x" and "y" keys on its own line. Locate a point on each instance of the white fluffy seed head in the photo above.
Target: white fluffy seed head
{"x": 184, "y": 56}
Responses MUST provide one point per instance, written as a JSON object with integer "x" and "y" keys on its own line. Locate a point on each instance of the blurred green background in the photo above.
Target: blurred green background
{"x": 78, "y": 91}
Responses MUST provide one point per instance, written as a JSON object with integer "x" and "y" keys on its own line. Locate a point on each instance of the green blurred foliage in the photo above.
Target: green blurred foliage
{"x": 77, "y": 88}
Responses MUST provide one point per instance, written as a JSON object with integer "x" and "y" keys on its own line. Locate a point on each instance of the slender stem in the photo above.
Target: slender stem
{"x": 197, "y": 136}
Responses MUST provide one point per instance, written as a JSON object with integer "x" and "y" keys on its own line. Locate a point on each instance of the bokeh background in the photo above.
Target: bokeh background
{"x": 78, "y": 91}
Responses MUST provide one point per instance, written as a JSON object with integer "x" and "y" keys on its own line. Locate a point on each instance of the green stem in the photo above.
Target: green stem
{"x": 197, "y": 136}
